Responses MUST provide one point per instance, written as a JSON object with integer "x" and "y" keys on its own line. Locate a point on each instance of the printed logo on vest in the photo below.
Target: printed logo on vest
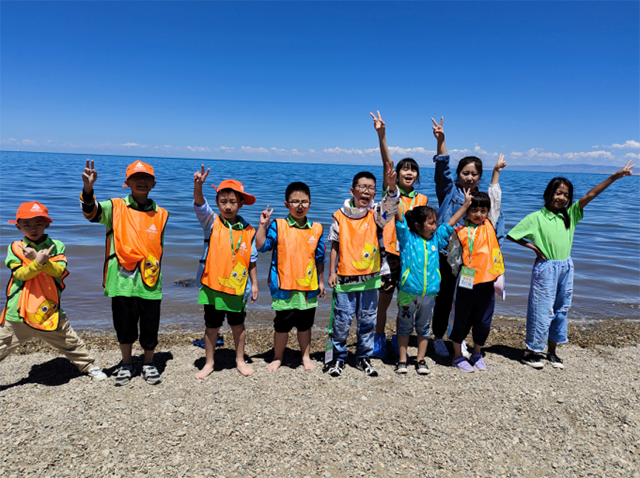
{"x": 152, "y": 229}
{"x": 36, "y": 208}
{"x": 243, "y": 247}
{"x": 312, "y": 240}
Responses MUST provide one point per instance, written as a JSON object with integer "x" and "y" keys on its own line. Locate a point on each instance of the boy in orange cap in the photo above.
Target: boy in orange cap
{"x": 38, "y": 267}
{"x": 133, "y": 279}
{"x": 229, "y": 259}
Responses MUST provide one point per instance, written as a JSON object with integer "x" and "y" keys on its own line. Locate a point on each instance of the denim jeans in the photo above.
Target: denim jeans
{"x": 364, "y": 306}
{"x": 417, "y": 314}
{"x": 549, "y": 301}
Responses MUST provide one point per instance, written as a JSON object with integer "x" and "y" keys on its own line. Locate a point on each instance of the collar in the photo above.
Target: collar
{"x": 355, "y": 212}
{"x": 293, "y": 223}
{"x": 151, "y": 205}
{"x": 411, "y": 194}
{"x": 549, "y": 214}
{"x": 48, "y": 242}
{"x": 472, "y": 224}
{"x": 238, "y": 226}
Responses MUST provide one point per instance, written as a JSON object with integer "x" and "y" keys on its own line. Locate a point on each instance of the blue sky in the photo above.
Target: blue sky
{"x": 541, "y": 82}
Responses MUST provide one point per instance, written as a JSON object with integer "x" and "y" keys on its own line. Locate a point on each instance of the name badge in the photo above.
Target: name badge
{"x": 328, "y": 350}
{"x": 467, "y": 274}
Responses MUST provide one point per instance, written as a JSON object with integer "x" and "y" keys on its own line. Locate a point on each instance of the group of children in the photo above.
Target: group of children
{"x": 431, "y": 256}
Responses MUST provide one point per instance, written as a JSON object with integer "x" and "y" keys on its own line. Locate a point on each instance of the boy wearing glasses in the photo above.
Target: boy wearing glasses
{"x": 355, "y": 266}
{"x": 296, "y": 275}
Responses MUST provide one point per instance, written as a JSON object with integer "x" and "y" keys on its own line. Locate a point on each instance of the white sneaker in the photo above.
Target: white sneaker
{"x": 441, "y": 348}
{"x": 96, "y": 374}
{"x": 463, "y": 349}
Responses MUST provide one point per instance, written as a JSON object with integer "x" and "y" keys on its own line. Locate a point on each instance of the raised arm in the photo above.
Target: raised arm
{"x": 438, "y": 132}
{"x": 593, "y": 192}
{"x": 460, "y": 212}
{"x": 497, "y": 169}
{"x": 379, "y": 125}
{"x": 199, "y": 178}
{"x": 261, "y": 233}
{"x": 442, "y": 175}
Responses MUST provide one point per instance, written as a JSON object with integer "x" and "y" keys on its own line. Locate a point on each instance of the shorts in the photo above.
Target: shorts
{"x": 286, "y": 320}
{"x": 214, "y": 318}
{"x": 390, "y": 281}
{"x": 128, "y": 311}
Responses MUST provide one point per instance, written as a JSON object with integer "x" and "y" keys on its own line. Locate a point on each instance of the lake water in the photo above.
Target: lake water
{"x": 606, "y": 248}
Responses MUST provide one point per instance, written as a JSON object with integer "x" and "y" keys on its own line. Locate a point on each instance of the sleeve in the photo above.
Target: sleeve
{"x": 28, "y": 272}
{"x": 55, "y": 269}
{"x": 254, "y": 251}
{"x": 442, "y": 177}
{"x": 495, "y": 195}
{"x": 385, "y": 210}
{"x": 205, "y": 215}
{"x": 443, "y": 235}
{"x": 402, "y": 231}
{"x": 454, "y": 254}
{"x": 271, "y": 239}
{"x": 524, "y": 229}
{"x": 334, "y": 232}
{"x": 321, "y": 257}
{"x": 575, "y": 214}
{"x": 106, "y": 216}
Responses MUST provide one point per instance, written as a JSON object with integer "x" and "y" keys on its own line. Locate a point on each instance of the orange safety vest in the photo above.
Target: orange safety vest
{"x": 137, "y": 240}
{"x": 39, "y": 305}
{"x": 486, "y": 257}
{"x": 389, "y": 232}
{"x": 296, "y": 255}
{"x": 226, "y": 267}
{"x": 360, "y": 252}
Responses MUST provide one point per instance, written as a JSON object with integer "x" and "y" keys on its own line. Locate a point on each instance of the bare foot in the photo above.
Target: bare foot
{"x": 308, "y": 364}
{"x": 205, "y": 372}
{"x": 243, "y": 368}
{"x": 274, "y": 365}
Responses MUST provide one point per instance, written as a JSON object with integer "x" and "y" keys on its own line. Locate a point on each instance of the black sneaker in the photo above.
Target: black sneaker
{"x": 533, "y": 359}
{"x": 124, "y": 375}
{"x": 401, "y": 367}
{"x": 421, "y": 368}
{"x": 336, "y": 368}
{"x": 555, "y": 361}
{"x": 364, "y": 364}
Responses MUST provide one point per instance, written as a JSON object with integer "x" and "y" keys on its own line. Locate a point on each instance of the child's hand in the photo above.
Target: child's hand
{"x": 265, "y": 216}
{"x": 29, "y": 252}
{"x": 468, "y": 197}
{"x": 391, "y": 176}
{"x": 500, "y": 165}
{"x": 539, "y": 255}
{"x": 626, "y": 171}
{"x": 333, "y": 280}
{"x": 199, "y": 177}
{"x": 44, "y": 255}
{"x": 254, "y": 292}
{"x": 378, "y": 124}
{"x": 89, "y": 176}
{"x": 438, "y": 130}
{"x": 322, "y": 293}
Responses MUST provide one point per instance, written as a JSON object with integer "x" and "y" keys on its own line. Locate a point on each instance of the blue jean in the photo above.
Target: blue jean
{"x": 549, "y": 301}
{"x": 417, "y": 314}
{"x": 364, "y": 306}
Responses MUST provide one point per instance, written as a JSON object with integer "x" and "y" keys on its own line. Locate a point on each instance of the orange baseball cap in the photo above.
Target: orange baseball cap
{"x": 139, "y": 167}
{"x": 29, "y": 210}
{"x": 237, "y": 187}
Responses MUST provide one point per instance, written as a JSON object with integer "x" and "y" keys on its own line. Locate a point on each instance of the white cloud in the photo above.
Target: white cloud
{"x": 130, "y": 144}
{"x": 632, "y": 155}
{"x": 249, "y": 149}
{"x": 589, "y": 155}
{"x": 199, "y": 149}
{"x": 627, "y": 145}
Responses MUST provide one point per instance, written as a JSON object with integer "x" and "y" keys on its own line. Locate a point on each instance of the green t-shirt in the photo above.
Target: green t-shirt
{"x": 12, "y": 261}
{"x": 120, "y": 282}
{"x": 548, "y": 232}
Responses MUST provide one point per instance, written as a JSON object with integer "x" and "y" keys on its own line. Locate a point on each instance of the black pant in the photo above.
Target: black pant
{"x": 474, "y": 309}
{"x": 444, "y": 299}
{"x": 127, "y": 311}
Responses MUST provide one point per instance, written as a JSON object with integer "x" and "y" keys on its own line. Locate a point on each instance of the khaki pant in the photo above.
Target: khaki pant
{"x": 64, "y": 339}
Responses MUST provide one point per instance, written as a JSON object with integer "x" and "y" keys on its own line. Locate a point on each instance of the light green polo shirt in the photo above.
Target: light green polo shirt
{"x": 120, "y": 282}
{"x": 548, "y": 232}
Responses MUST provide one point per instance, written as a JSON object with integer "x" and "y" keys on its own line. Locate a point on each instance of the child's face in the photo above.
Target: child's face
{"x": 229, "y": 204}
{"x": 407, "y": 177}
{"x": 364, "y": 192}
{"x": 469, "y": 177}
{"x": 428, "y": 228}
{"x": 477, "y": 215}
{"x": 141, "y": 184}
{"x": 32, "y": 228}
{"x": 560, "y": 198}
{"x": 298, "y": 204}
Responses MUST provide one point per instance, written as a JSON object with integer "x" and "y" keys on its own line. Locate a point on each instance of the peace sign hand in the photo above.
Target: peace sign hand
{"x": 29, "y": 252}
{"x": 438, "y": 129}
{"x": 391, "y": 176}
{"x": 199, "y": 177}
{"x": 468, "y": 197}
{"x": 501, "y": 164}
{"x": 265, "y": 216}
{"x": 44, "y": 255}
{"x": 378, "y": 124}
{"x": 89, "y": 176}
{"x": 626, "y": 171}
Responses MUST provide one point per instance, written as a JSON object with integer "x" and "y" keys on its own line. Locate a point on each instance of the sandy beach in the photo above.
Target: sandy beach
{"x": 509, "y": 421}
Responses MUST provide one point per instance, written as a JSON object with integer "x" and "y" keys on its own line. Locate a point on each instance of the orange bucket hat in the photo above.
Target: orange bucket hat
{"x": 238, "y": 187}
{"x": 29, "y": 210}
{"x": 139, "y": 167}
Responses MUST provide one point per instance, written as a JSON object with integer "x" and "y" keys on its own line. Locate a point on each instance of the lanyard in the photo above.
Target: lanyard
{"x": 472, "y": 239}
{"x": 410, "y": 205}
{"x": 233, "y": 250}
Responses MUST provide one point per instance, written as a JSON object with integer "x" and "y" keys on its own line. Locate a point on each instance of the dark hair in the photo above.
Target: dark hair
{"x": 360, "y": 175}
{"x": 552, "y": 187}
{"x": 419, "y": 214}
{"x": 412, "y": 165}
{"x": 297, "y": 186}
{"x": 467, "y": 160}
{"x": 239, "y": 196}
{"x": 480, "y": 199}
